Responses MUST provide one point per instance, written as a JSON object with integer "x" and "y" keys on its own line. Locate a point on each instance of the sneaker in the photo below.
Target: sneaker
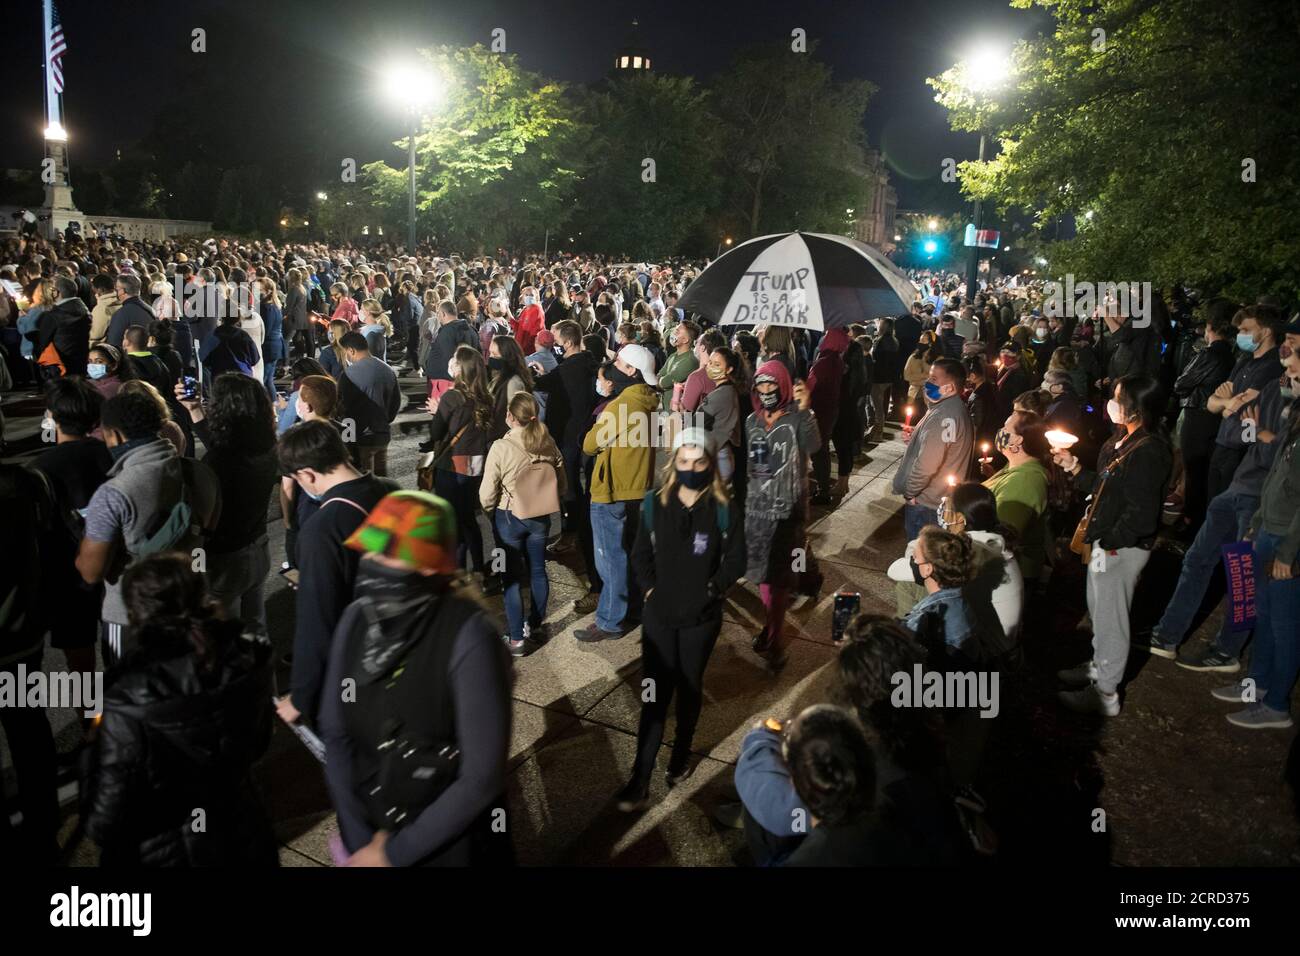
{"x": 1259, "y": 717}
{"x": 1157, "y": 648}
{"x": 1089, "y": 700}
{"x": 1083, "y": 674}
{"x": 537, "y": 633}
{"x": 587, "y": 603}
{"x": 591, "y": 634}
{"x": 518, "y": 648}
{"x": 492, "y": 585}
{"x": 730, "y": 815}
{"x": 1210, "y": 659}
{"x": 635, "y": 796}
{"x": 822, "y": 500}
{"x": 558, "y": 546}
{"x": 674, "y": 777}
{"x": 1231, "y": 693}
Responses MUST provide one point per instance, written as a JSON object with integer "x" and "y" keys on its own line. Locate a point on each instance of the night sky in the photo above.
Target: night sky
{"x": 304, "y": 71}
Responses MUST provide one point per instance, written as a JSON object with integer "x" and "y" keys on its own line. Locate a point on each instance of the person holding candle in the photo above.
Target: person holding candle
{"x": 981, "y": 402}
{"x": 940, "y": 446}
{"x": 1012, "y": 380}
{"x": 1120, "y": 527}
{"x": 1020, "y": 489}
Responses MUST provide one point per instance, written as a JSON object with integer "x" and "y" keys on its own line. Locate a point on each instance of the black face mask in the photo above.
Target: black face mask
{"x": 694, "y": 480}
{"x": 917, "y": 576}
{"x": 497, "y": 364}
{"x": 769, "y": 400}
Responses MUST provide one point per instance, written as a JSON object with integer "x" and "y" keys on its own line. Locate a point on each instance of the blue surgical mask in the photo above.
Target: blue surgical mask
{"x": 96, "y": 370}
{"x": 529, "y": 300}
{"x": 932, "y": 392}
{"x": 1246, "y": 342}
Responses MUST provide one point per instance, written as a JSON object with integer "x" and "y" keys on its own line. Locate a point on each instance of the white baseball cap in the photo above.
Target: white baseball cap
{"x": 641, "y": 359}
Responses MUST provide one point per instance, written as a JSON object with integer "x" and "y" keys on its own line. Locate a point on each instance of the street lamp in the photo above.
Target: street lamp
{"x": 322, "y": 197}
{"x": 985, "y": 70}
{"x": 934, "y": 224}
{"x": 416, "y": 88}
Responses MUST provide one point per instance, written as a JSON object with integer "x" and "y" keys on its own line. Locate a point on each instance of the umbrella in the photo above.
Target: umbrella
{"x": 802, "y": 279}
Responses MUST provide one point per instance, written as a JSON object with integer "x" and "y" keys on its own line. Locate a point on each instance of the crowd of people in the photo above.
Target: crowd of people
{"x": 576, "y": 412}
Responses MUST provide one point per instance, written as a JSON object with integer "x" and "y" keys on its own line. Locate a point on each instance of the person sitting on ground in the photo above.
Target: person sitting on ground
{"x": 941, "y": 563}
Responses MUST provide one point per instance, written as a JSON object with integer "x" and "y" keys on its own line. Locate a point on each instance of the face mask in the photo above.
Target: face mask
{"x": 1114, "y": 412}
{"x": 529, "y": 300}
{"x": 1040, "y": 335}
{"x": 769, "y": 400}
{"x": 917, "y": 576}
{"x": 453, "y": 370}
{"x": 715, "y": 373}
{"x": 497, "y": 364}
{"x": 96, "y": 370}
{"x": 1286, "y": 391}
{"x": 603, "y": 389}
{"x": 1246, "y": 342}
{"x": 1002, "y": 440}
{"x": 932, "y": 392}
{"x": 693, "y": 480}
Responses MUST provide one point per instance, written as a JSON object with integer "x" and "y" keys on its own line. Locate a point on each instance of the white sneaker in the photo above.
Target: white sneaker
{"x": 1090, "y": 701}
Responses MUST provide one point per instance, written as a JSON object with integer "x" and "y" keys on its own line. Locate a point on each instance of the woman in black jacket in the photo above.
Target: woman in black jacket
{"x": 886, "y": 369}
{"x": 690, "y": 548}
{"x": 1120, "y": 527}
{"x": 1208, "y": 369}
{"x": 185, "y": 717}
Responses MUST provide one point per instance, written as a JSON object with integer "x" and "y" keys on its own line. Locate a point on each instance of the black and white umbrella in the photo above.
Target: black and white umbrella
{"x": 803, "y": 279}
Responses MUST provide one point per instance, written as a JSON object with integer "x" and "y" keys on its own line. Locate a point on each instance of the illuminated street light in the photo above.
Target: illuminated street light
{"x": 987, "y": 68}
{"x": 930, "y": 246}
{"x": 934, "y": 224}
{"x": 416, "y": 88}
{"x": 322, "y": 197}
{"x": 898, "y": 238}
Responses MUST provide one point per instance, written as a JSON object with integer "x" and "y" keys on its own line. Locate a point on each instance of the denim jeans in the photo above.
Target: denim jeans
{"x": 916, "y": 517}
{"x": 1276, "y": 658}
{"x": 524, "y": 541}
{"x": 236, "y": 581}
{"x": 611, "y": 562}
{"x": 1226, "y": 521}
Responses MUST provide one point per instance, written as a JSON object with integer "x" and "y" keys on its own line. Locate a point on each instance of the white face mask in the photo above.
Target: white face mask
{"x": 1115, "y": 413}
{"x": 453, "y": 369}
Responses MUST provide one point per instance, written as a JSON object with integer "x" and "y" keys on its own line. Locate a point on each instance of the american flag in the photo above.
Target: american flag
{"x": 57, "y": 46}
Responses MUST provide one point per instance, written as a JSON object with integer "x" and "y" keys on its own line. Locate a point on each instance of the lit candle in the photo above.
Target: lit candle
{"x": 952, "y": 480}
{"x": 1060, "y": 440}
{"x": 907, "y": 412}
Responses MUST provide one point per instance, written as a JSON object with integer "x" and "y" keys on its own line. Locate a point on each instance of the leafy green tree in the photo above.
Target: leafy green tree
{"x": 493, "y": 164}
{"x": 647, "y": 116}
{"x": 790, "y": 136}
{"x": 1174, "y": 123}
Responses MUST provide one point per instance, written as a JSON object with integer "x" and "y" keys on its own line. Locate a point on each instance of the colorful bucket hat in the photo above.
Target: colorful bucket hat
{"x": 414, "y": 527}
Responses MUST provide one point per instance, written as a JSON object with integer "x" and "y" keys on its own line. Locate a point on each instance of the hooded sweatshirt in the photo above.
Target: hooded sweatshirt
{"x": 787, "y": 437}
{"x": 826, "y": 377}
{"x": 623, "y": 443}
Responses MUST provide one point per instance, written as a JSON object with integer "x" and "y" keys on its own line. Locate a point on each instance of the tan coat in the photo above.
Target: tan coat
{"x": 504, "y": 459}
{"x": 105, "y": 305}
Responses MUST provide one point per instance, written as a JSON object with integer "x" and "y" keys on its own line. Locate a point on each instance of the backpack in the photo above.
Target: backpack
{"x": 316, "y": 300}
{"x": 537, "y": 490}
{"x": 179, "y": 522}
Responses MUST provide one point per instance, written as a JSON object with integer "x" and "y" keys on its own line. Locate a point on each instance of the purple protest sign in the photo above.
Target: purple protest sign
{"x": 1239, "y": 567}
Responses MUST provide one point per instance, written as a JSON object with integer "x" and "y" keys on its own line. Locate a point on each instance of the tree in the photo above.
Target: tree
{"x": 493, "y": 165}
{"x": 790, "y": 135}
{"x": 1176, "y": 127}
{"x": 626, "y": 205}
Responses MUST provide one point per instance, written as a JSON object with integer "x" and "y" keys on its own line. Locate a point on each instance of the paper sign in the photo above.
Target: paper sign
{"x": 1239, "y": 567}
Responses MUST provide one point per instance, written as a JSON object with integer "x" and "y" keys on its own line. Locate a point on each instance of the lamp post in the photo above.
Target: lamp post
{"x": 987, "y": 70}
{"x": 416, "y": 88}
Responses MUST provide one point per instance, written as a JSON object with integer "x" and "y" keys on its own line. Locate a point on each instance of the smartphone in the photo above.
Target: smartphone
{"x": 191, "y": 387}
{"x": 847, "y": 604}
